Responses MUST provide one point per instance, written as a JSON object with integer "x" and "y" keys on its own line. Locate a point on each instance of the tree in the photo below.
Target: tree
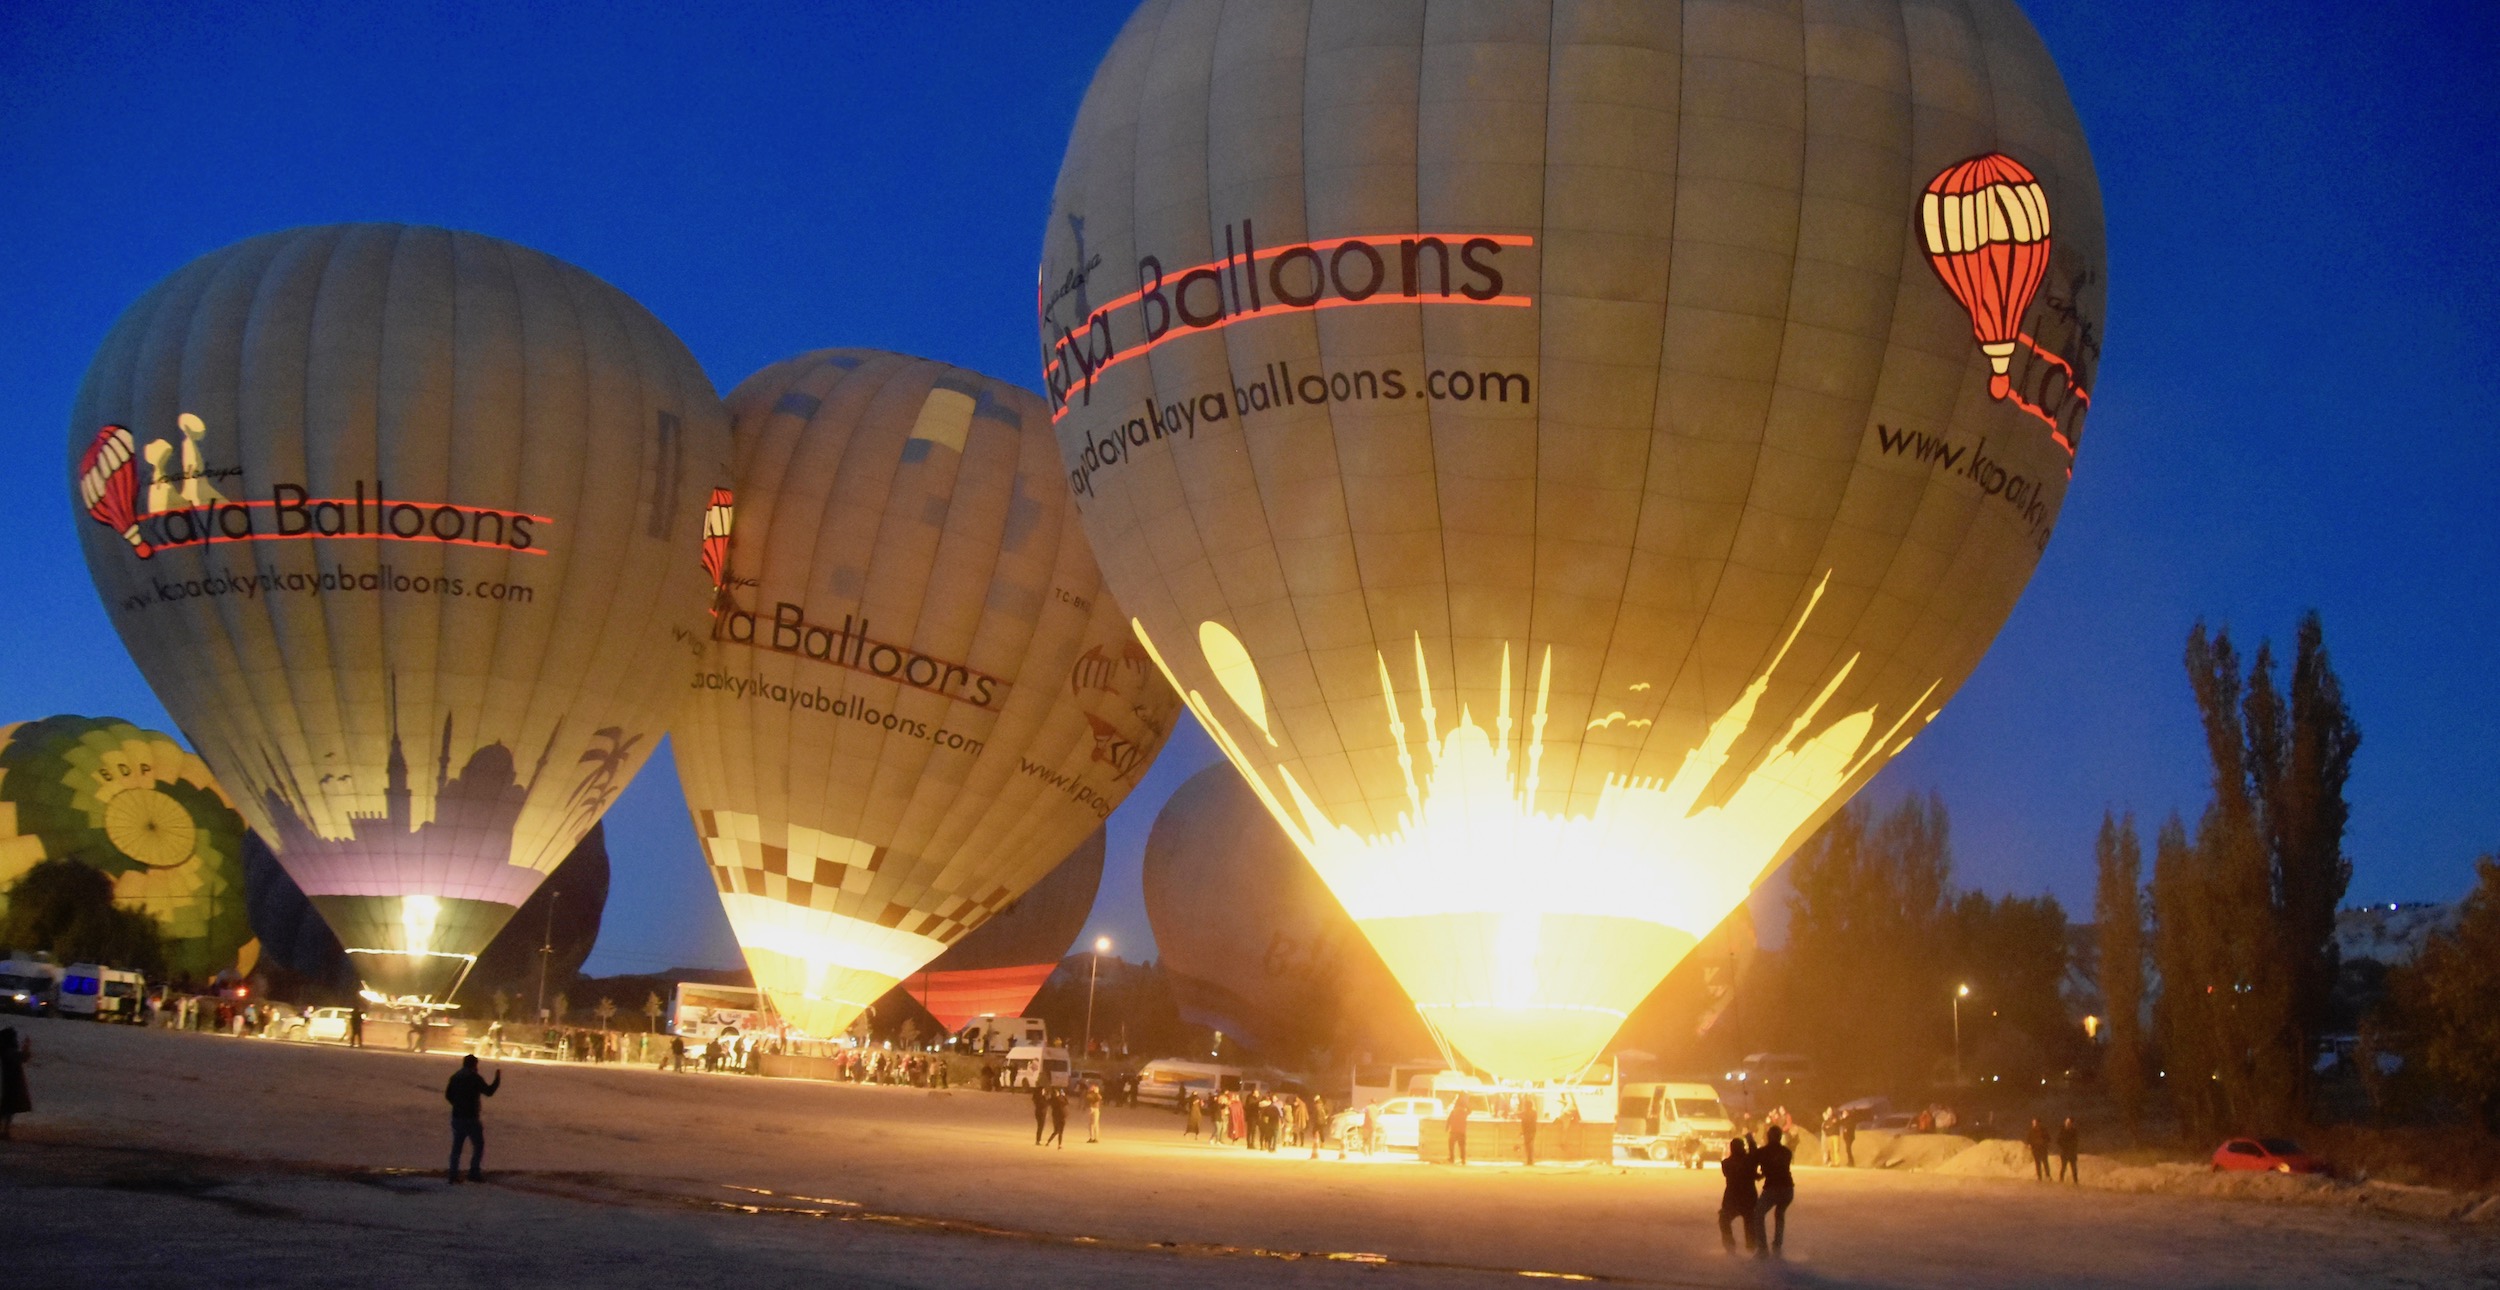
{"x": 503, "y": 1005}
{"x": 2256, "y": 909}
{"x": 66, "y": 909}
{"x": 910, "y": 1033}
{"x": 605, "y": 1010}
{"x": 2011, "y": 952}
{"x": 2118, "y": 915}
{"x": 651, "y": 1010}
{"x": 1866, "y": 953}
{"x": 2447, "y": 1000}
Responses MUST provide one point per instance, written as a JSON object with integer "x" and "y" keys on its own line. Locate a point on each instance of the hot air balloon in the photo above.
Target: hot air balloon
{"x": 414, "y": 574}
{"x": 1251, "y": 941}
{"x": 1534, "y": 442}
{"x": 998, "y": 969}
{"x": 133, "y": 804}
{"x": 916, "y": 697}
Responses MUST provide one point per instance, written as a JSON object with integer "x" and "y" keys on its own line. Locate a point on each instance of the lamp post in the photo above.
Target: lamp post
{"x": 1102, "y": 945}
{"x": 547, "y": 953}
{"x": 1960, "y": 993}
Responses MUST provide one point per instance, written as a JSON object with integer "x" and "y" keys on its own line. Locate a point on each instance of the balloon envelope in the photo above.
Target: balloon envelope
{"x": 1561, "y": 451}
{"x": 403, "y": 525}
{"x": 999, "y": 968}
{"x": 916, "y": 697}
{"x": 135, "y": 805}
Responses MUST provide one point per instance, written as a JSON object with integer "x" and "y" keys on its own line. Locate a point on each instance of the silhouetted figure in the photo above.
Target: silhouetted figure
{"x": 2038, "y": 1141}
{"x": 14, "y": 1099}
{"x": 1527, "y": 1129}
{"x": 1459, "y": 1110}
{"x": 1041, "y": 1112}
{"x": 356, "y": 1027}
{"x": 1093, "y": 1113}
{"x": 464, "y": 1092}
{"x": 1736, "y": 1196}
{"x": 677, "y": 1052}
{"x": 1059, "y": 1118}
{"x": 2069, "y": 1146}
{"x": 1779, "y": 1189}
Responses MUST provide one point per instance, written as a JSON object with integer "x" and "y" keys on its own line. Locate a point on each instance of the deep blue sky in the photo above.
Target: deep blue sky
{"x": 2293, "y": 408}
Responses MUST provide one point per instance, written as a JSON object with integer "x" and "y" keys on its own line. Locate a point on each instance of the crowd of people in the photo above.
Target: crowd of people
{"x": 1260, "y": 1120}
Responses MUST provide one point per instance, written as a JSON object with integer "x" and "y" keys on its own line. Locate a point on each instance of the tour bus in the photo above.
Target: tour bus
{"x": 1031, "y": 1064}
{"x": 1166, "y": 1081}
{"x": 991, "y": 1033}
{"x": 30, "y": 985}
{"x": 700, "y": 1013}
{"x": 1381, "y": 1081}
{"x": 101, "y": 993}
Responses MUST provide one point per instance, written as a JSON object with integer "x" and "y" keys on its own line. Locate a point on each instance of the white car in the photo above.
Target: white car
{"x": 328, "y": 1025}
{"x": 1400, "y": 1119}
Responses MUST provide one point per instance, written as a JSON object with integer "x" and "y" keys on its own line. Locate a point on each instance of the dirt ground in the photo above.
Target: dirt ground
{"x": 162, "y": 1158}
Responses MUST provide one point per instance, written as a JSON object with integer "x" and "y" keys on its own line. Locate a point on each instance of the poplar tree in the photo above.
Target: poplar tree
{"x": 2118, "y": 916}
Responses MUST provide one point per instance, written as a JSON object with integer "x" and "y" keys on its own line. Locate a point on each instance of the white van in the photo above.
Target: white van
{"x": 1669, "y": 1121}
{"x": 30, "y": 985}
{"x": 1164, "y": 1082}
{"x": 100, "y": 993}
{"x": 991, "y": 1033}
{"x": 1028, "y": 1065}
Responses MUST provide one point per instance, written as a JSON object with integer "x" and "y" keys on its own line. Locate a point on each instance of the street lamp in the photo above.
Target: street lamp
{"x": 1102, "y": 946}
{"x": 547, "y": 952}
{"x": 1960, "y": 992}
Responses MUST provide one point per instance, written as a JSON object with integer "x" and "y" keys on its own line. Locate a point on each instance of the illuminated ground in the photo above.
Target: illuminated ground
{"x": 172, "y": 1159}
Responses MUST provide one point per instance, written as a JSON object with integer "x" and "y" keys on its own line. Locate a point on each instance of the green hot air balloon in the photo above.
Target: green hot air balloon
{"x": 137, "y": 807}
{"x": 1562, "y": 450}
{"x": 403, "y": 526}
{"x": 916, "y": 699}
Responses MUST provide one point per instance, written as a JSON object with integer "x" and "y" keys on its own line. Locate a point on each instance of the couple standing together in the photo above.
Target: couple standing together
{"x": 1746, "y": 1167}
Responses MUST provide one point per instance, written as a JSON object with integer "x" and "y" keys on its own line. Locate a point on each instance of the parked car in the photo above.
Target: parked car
{"x": 2266, "y": 1155}
{"x": 1401, "y": 1120}
{"x": 326, "y": 1025}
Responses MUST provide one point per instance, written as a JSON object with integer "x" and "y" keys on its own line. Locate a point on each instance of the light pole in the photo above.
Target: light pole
{"x": 1960, "y": 993}
{"x": 1102, "y": 945}
{"x": 547, "y": 953}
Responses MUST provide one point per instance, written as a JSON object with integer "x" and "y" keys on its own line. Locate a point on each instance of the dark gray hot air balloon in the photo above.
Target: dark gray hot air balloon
{"x": 404, "y": 526}
{"x": 999, "y": 968}
{"x": 916, "y": 698}
{"x": 1561, "y": 450}
{"x": 1251, "y": 940}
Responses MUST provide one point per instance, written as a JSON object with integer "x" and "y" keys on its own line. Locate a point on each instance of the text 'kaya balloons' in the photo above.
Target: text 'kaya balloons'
{"x": 401, "y": 524}
{"x": 1560, "y": 450}
{"x": 917, "y": 697}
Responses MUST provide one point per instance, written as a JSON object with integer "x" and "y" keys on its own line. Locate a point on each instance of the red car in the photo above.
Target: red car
{"x": 2266, "y": 1155}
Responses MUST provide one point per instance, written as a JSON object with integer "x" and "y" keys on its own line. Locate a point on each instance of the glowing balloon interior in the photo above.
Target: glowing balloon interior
{"x": 1561, "y": 452}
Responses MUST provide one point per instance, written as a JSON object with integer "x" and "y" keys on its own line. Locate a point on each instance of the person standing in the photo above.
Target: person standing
{"x": 1736, "y": 1194}
{"x": 1319, "y": 1126}
{"x": 2038, "y": 1140}
{"x": 677, "y": 1052}
{"x": 1457, "y": 1125}
{"x": 1371, "y": 1129}
{"x": 1093, "y": 1112}
{"x": 1197, "y": 1116}
{"x": 1849, "y": 1139}
{"x": 1831, "y": 1138}
{"x": 1237, "y": 1117}
{"x": 466, "y": 1093}
{"x": 1779, "y": 1189}
{"x": 14, "y": 1099}
{"x": 2069, "y": 1149}
{"x": 1527, "y": 1129}
{"x": 1041, "y": 1112}
{"x": 1059, "y": 1118}
{"x": 356, "y": 1027}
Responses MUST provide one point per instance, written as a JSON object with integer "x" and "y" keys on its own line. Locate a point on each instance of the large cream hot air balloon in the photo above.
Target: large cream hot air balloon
{"x": 402, "y": 524}
{"x": 1562, "y": 450}
{"x": 916, "y": 697}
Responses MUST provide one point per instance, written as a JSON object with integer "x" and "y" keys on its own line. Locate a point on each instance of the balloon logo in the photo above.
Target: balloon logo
{"x": 1986, "y": 226}
{"x": 108, "y": 486}
{"x": 717, "y": 521}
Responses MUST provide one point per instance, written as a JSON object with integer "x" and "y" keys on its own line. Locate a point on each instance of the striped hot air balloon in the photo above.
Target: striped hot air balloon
{"x": 1986, "y": 225}
{"x": 717, "y": 521}
{"x": 108, "y": 486}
